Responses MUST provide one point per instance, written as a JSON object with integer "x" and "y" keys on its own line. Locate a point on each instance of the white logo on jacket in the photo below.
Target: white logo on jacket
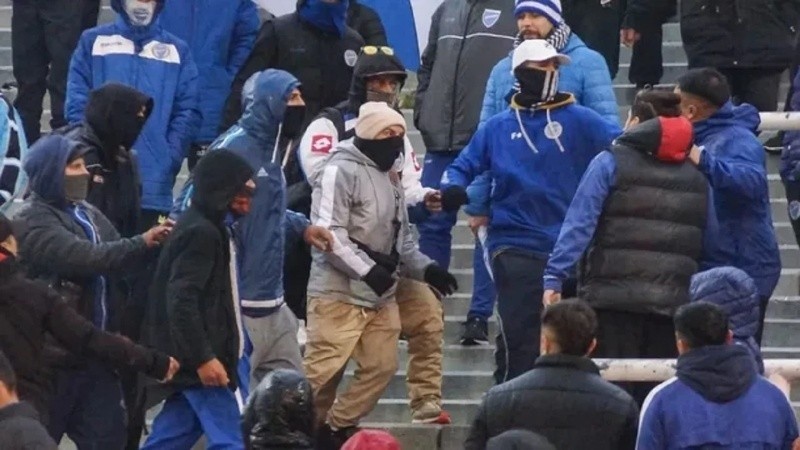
{"x": 490, "y": 17}
{"x": 119, "y": 45}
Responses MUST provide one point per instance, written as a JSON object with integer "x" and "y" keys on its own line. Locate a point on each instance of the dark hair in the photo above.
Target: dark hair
{"x": 650, "y": 103}
{"x": 573, "y": 324}
{"x": 708, "y": 84}
{"x": 701, "y": 324}
{"x": 7, "y": 375}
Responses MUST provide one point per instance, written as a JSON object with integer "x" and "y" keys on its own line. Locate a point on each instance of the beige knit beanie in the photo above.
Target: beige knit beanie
{"x": 374, "y": 117}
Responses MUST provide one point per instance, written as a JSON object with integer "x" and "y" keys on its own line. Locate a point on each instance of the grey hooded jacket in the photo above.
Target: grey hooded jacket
{"x": 467, "y": 38}
{"x": 353, "y": 199}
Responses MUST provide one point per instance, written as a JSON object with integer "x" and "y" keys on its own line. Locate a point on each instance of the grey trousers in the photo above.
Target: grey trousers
{"x": 274, "y": 339}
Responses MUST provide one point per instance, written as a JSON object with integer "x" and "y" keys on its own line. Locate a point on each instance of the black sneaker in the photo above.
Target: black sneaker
{"x": 476, "y": 332}
{"x": 774, "y": 145}
{"x": 329, "y": 439}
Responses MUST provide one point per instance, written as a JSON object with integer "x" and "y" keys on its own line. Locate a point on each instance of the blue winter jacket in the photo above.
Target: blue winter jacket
{"x": 733, "y": 161}
{"x": 790, "y": 156}
{"x": 220, "y": 34}
{"x": 734, "y": 291}
{"x": 261, "y": 234}
{"x": 586, "y": 77}
{"x": 533, "y": 185}
{"x": 156, "y": 63}
{"x": 716, "y": 401}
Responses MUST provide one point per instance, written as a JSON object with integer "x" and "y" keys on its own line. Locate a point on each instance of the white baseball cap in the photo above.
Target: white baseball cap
{"x": 537, "y": 50}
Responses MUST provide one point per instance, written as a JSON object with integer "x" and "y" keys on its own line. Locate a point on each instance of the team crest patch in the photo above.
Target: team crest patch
{"x": 321, "y": 143}
{"x": 490, "y": 17}
{"x": 794, "y": 209}
{"x": 161, "y": 51}
{"x": 553, "y": 130}
{"x": 350, "y": 57}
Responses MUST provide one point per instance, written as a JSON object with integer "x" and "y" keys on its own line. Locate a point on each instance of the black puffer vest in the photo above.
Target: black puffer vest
{"x": 649, "y": 238}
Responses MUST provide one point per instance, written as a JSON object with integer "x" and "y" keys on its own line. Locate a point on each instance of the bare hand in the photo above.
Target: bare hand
{"x": 213, "y": 373}
{"x": 475, "y": 222}
{"x": 796, "y": 445}
{"x": 433, "y": 201}
{"x": 551, "y": 297}
{"x": 629, "y": 36}
{"x": 158, "y": 234}
{"x": 174, "y": 367}
{"x": 694, "y": 155}
{"x": 318, "y": 237}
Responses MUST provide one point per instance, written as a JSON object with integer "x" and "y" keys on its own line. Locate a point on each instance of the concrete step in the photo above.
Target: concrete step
{"x": 455, "y": 384}
{"x": 670, "y": 52}
{"x": 106, "y": 15}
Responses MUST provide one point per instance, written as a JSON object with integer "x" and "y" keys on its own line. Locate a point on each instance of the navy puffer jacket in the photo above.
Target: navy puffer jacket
{"x": 734, "y": 291}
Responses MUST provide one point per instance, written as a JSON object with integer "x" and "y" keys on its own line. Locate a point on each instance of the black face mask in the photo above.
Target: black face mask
{"x": 293, "y": 121}
{"x": 536, "y": 85}
{"x": 383, "y": 152}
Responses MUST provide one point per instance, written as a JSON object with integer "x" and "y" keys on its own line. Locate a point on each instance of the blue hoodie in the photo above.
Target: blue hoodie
{"x": 156, "y": 63}
{"x": 735, "y": 292}
{"x": 220, "y": 34}
{"x": 733, "y": 161}
{"x": 45, "y": 166}
{"x": 533, "y": 182}
{"x": 261, "y": 234}
{"x": 717, "y": 401}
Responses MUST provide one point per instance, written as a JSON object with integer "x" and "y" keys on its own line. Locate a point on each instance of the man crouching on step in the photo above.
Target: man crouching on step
{"x": 352, "y": 310}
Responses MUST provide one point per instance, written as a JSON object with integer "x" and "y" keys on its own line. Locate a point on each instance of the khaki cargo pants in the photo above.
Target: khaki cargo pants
{"x": 338, "y": 331}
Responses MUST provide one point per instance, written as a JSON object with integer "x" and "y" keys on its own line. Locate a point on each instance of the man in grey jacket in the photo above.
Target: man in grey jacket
{"x": 352, "y": 310}
{"x": 467, "y": 38}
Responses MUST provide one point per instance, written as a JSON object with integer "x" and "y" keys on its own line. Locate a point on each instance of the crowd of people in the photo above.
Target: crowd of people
{"x": 290, "y": 251}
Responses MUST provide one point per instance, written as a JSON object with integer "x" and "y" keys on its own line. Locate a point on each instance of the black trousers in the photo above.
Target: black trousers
{"x": 598, "y": 25}
{"x": 647, "y": 62}
{"x": 518, "y": 280}
{"x": 629, "y": 335}
{"x": 44, "y": 34}
{"x": 758, "y": 87}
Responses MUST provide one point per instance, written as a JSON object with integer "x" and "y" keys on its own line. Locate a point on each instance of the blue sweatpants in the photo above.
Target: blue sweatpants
{"x": 189, "y": 414}
{"x": 483, "y": 292}
{"x": 435, "y": 234}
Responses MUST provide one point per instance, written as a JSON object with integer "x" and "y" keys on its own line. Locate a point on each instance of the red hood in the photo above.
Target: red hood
{"x": 668, "y": 139}
{"x": 371, "y": 440}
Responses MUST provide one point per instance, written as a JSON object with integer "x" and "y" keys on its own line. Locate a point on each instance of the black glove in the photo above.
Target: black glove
{"x": 379, "y": 279}
{"x": 441, "y": 280}
{"x": 453, "y": 198}
{"x": 388, "y": 262}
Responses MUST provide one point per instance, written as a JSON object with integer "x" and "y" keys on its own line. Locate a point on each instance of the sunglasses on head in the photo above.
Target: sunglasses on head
{"x": 374, "y": 49}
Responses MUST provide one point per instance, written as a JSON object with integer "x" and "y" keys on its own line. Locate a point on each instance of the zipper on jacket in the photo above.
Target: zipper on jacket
{"x": 455, "y": 79}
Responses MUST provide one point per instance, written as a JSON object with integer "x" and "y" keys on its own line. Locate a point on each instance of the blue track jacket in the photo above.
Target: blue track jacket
{"x": 533, "y": 182}
{"x": 156, "y": 63}
{"x": 220, "y": 34}
{"x": 260, "y": 235}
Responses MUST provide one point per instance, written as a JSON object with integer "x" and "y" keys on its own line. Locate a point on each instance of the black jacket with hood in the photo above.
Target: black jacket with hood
{"x": 519, "y": 440}
{"x": 55, "y": 248}
{"x": 192, "y": 311}
{"x": 28, "y": 310}
{"x": 467, "y": 38}
{"x": 111, "y": 125}
{"x": 367, "y": 23}
{"x": 563, "y": 399}
{"x": 20, "y": 429}
{"x": 280, "y": 413}
{"x": 323, "y": 62}
{"x": 649, "y": 237}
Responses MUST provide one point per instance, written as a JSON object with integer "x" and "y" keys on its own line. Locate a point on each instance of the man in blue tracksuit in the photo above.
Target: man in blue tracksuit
{"x": 535, "y": 153}
{"x": 731, "y": 157}
{"x": 273, "y": 116}
{"x": 717, "y": 399}
{"x": 135, "y": 50}
{"x": 220, "y": 34}
{"x": 586, "y": 77}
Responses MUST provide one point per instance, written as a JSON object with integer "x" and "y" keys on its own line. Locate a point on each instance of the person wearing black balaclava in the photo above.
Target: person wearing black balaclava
{"x": 272, "y": 118}
{"x": 535, "y": 154}
{"x": 72, "y": 246}
{"x": 315, "y": 44}
{"x": 280, "y": 413}
{"x": 352, "y": 310}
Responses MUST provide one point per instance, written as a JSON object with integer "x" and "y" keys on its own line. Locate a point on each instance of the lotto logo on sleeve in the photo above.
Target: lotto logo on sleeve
{"x": 321, "y": 143}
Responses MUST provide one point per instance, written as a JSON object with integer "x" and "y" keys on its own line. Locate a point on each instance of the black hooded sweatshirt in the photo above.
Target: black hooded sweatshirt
{"x": 191, "y": 310}
{"x": 280, "y": 413}
{"x": 110, "y": 128}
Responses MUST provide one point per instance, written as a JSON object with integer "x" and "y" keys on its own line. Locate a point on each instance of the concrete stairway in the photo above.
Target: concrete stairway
{"x": 468, "y": 369}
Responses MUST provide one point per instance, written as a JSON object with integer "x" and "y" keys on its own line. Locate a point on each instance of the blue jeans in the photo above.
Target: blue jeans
{"x": 435, "y": 234}
{"x": 88, "y": 408}
{"x": 189, "y": 414}
{"x": 483, "y": 292}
